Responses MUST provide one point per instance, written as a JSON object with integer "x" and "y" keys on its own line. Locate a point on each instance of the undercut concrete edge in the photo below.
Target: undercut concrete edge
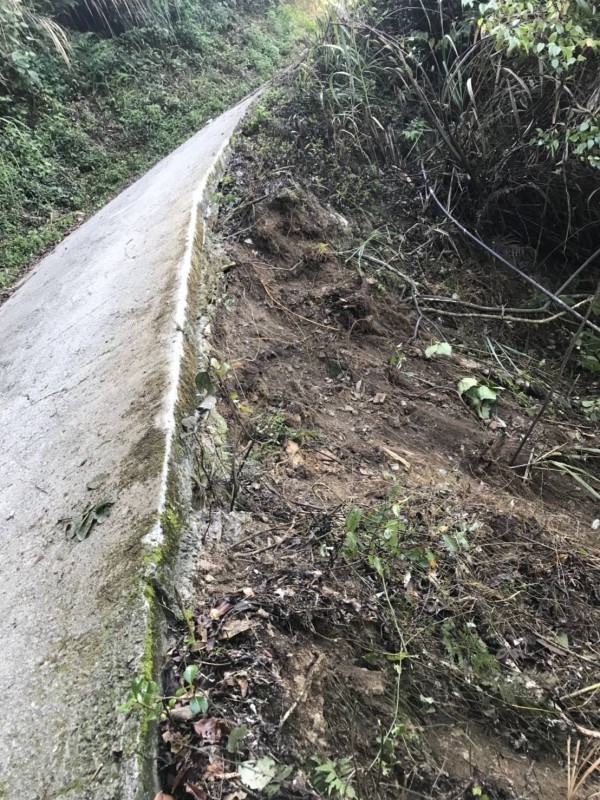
{"x": 176, "y": 484}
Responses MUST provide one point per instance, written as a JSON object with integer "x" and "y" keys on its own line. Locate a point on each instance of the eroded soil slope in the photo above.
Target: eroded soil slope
{"x": 386, "y": 608}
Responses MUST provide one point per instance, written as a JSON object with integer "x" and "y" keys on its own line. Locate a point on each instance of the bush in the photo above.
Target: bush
{"x": 501, "y": 102}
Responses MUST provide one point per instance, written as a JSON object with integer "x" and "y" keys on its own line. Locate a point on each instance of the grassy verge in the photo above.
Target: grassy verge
{"x": 122, "y": 104}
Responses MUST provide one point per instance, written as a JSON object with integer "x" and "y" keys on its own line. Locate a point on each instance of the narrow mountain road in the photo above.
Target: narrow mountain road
{"x": 91, "y": 352}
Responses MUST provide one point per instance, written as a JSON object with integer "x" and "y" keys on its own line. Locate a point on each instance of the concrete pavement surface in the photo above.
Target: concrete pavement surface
{"x": 90, "y": 357}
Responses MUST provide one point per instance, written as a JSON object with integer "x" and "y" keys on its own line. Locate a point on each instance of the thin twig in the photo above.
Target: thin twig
{"x": 550, "y": 394}
{"x": 310, "y": 675}
{"x": 531, "y": 281}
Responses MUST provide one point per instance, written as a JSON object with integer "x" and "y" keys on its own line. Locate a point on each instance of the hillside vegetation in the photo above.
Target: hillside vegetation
{"x": 495, "y": 108}
{"x": 398, "y": 589}
{"x": 93, "y": 93}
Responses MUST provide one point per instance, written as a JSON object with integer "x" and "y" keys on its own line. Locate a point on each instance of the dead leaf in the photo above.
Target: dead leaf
{"x": 234, "y": 627}
{"x": 97, "y": 481}
{"x": 195, "y": 791}
{"x": 292, "y": 451}
{"x": 242, "y": 682}
{"x": 212, "y": 729}
{"x": 163, "y": 796}
{"x": 395, "y": 457}
{"x": 257, "y": 774}
{"x": 175, "y": 741}
{"x": 217, "y": 613}
{"x": 379, "y": 399}
{"x": 81, "y": 524}
{"x": 182, "y": 713}
{"x": 215, "y": 771}
{"x": 237, "y": 795}
{"x": 497, "y": 423}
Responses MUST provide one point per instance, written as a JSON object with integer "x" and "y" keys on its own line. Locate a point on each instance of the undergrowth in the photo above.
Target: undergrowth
{"x": 472, "y": 601}
{"x": 74, "y": 130}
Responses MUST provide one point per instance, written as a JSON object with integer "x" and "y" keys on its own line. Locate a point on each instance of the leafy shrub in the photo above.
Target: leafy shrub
{"x": 22, "y": 33}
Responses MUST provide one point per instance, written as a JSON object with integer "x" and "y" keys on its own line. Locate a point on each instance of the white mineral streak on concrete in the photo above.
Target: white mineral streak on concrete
{"x": 90, "y": 356}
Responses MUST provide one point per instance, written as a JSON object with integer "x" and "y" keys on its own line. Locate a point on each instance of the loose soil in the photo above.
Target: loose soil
{"x": 380, "y": 597}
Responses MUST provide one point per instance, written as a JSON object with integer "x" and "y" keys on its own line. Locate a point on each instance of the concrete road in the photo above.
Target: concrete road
{"x": 90, "y": 359}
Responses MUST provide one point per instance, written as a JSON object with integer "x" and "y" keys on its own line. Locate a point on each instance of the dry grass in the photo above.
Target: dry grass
{"x": 581, "y": 768}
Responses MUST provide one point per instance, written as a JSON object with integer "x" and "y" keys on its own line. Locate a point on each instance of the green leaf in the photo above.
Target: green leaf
{"x": 353, "y": 519}
{"x": 80, "y": 526}
{"x": 465, "y": 384}
{"x": 450, "y": 543}
{"x": 377, "y": 565}
{"x": 350, "y": 548}
{"x": 74, "y": 527}
{"x": 190, "y": 673}
{"x": 204, "y": 383}
{"x": 438, "y": 349}
{"x": 483, "y": 411}
{"x": 486, "y": 393}
{"x": 199, "y": 704}
{"x": 235, "y": 738}
{"x": 102, "y": 509}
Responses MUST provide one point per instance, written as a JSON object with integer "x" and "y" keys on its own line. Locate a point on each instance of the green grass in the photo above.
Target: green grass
{"x": 123, "y": 103}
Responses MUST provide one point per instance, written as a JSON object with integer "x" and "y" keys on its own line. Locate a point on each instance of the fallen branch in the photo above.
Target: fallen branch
{"x": 505, "y": 317}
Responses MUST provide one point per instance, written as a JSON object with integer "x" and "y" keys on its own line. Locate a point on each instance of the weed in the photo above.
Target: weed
{"x": 438, "y": 349}
{"x": 383, "y": 536}
{"x": 479, "y": 395}
{"x": 569, "y": 461}
{"x": 581, "y": 766}
{"x": 145, "y": 696}
{"x": 468, "y": 651}
{"x": 591, "y": 408}
{"x": 334, "y": 777}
